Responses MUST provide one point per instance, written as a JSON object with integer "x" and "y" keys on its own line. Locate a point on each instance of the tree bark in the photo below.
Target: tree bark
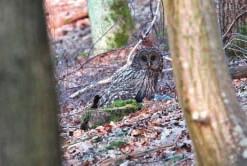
{"x": 217, "y": 125}
{"x": 111, "y": 24}
{"x": 228, "y": 11}
{"x": 28, "y": 123}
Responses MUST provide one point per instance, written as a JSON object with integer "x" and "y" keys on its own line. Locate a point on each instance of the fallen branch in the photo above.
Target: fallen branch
{"x": 138, "y": 154}
{"x": 238, "y": 72}
{"x": 101, "y": 82}
{"x": 133, "y": 155}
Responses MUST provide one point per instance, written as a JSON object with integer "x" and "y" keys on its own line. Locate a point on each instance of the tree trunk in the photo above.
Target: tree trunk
{"x": 228, "y": 11}
{"x": 28, "y": 123}
{"x": 111, "y": 24}
{"x": 217, "y": 126}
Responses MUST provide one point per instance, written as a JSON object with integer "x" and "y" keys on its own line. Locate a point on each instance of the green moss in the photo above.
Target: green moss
{"x": 115, "y": 112}
{"x": 115, "y": 144}
{"x": 83, "y": 54}
{"x": 120, "y": 38}
{"x": 243, "y": 29}
{"x": 120, "y": 108}
{"x": 97, "y": 139}
{"x": 86, "y": 117}
{"x": 239, "y": 44}
{"x": 120, "y": 13}
{"x": 121, "y": 103}
{"x": 120, "y": 10}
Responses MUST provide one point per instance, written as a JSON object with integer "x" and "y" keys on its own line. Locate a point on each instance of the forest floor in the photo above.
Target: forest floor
{"x": 155, "y": 135}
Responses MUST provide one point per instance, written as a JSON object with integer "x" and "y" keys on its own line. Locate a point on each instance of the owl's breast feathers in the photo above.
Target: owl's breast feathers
{"x": 148, "y": 87}
{"x": 130, "y": 83}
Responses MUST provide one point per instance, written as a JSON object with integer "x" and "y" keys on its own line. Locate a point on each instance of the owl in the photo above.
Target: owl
{"x": 135, "y": 80}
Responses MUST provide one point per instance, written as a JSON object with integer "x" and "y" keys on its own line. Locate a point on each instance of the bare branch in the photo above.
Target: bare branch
{"x": 145, "y": 34}
{"x": 233, "y": 22}
{"x": 101, "y": 82}
{"x": 89, "y": 59}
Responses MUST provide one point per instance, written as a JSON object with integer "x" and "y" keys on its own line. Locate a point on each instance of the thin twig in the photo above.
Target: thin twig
{"x": 89, "y": 59}
{"x": 152, "y": 14}
{"x": 145, "y": 34}
{"x": 135, "y": 154}
{"x": 233, "y": 22}
{"x": 140, "y": 153}
{"x": 101, "y": 82}
{"x": 112, "y": 26}
{"x": 163, "y": 17}
{"x": 236, "y": 36}
{"x": 181, "y": 161}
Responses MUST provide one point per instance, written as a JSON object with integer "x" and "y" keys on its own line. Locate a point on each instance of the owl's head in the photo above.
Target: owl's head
{"x": 148, "y": 59}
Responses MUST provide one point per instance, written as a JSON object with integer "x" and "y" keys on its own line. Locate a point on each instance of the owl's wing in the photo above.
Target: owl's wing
{"x": 125, "y": 85}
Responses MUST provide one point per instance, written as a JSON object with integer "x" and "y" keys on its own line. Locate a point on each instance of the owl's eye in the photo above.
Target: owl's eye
{"x": 153, "y": 58}
{"x": 144, "y": 58}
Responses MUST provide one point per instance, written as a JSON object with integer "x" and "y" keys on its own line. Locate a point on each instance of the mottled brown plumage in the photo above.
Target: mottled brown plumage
{"x": 136, "y": 80}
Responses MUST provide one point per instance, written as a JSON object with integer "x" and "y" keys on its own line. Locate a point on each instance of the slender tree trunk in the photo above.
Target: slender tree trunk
{"x": 217, "y": 125}
{"x": 111, "y": 24}
{"x": 28, "y": 123}
{"x": 228, "y": 11}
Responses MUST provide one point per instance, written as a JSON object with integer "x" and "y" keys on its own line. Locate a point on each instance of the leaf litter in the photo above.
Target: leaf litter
{"x": 155, "y": 135}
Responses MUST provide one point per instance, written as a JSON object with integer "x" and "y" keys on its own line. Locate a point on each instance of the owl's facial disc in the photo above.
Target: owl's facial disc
{"x": 144, "y": 58}
{"x": 148, "y": 59}
{"x": 152, "y": 57}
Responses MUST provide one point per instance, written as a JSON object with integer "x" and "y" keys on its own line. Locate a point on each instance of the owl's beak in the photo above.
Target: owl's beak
{"x": 149, "y": 64}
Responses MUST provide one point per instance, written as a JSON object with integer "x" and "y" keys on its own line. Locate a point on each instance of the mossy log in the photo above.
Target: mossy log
{"x": 92, "y": 118}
